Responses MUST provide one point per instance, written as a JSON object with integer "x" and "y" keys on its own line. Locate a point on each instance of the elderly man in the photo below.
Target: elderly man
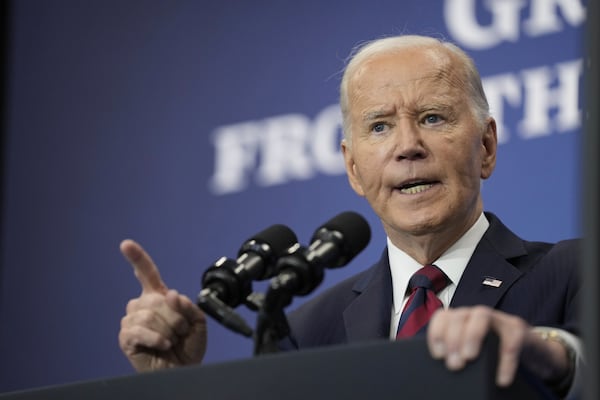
{"x": 418, "y": 141}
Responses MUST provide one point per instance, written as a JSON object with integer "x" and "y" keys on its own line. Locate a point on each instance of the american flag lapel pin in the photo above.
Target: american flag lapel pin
{"x": 490, "y": 281}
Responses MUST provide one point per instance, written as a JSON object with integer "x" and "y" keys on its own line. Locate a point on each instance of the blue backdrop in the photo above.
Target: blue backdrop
{"x": 191, "y": 125}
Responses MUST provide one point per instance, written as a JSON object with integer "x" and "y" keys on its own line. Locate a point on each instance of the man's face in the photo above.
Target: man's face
{"x": 417, "y": 153}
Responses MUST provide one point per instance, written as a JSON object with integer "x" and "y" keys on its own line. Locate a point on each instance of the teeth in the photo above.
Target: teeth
{"x": 416, "y": 189}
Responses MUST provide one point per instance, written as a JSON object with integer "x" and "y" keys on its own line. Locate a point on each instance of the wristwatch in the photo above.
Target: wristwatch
{"x": 560, "y": 386}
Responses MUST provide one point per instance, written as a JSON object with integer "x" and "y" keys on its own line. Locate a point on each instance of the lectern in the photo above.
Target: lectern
{"x": 377, "y": 370}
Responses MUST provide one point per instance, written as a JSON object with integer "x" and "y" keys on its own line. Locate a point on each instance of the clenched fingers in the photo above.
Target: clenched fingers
{"x": 185, "y": 307}
{"x": 158, "y": 321}
{"x": 133, "y": 337}
{"x": 456, "y": 336}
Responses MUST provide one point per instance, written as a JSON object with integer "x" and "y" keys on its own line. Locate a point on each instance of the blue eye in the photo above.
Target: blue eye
{"x": 378, "y": 127}
{"x": 432, "y": 119}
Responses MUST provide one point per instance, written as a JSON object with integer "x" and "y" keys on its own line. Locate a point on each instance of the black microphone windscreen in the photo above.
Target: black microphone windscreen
{"x": 354, "y": 229}
{"x": 278, "y": 237}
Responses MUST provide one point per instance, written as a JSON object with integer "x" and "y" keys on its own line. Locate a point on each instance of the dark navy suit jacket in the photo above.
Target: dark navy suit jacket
{"x": 540, "y": 283}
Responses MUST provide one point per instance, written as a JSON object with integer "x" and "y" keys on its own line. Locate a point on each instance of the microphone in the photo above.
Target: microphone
{"x": 231, "y": 280}
{"x": 333, "y": 245}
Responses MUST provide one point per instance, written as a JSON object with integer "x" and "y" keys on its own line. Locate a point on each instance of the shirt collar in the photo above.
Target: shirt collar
{"x": 453, "y": 262}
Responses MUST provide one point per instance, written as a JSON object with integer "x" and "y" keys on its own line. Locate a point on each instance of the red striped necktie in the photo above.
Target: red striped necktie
{"x": 422, "y": 301}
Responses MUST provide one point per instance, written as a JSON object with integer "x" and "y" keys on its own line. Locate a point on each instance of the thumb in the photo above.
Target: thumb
{"x": 144, "y": 268}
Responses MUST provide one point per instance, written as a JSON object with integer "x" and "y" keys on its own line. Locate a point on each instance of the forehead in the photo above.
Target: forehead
{"x": 417, "y": 72}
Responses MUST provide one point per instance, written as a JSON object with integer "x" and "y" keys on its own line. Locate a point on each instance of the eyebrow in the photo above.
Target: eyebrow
{"x": 377, "y": 114}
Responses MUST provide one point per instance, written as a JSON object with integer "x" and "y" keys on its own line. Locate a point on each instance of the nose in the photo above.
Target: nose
{"x": 408, "y": 142}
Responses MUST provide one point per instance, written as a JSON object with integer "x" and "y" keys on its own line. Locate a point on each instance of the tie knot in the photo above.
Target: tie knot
{"x": 429, "y": 277}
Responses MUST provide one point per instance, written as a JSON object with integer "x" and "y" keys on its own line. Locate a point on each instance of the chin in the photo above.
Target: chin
{"x": 416, "y": 225}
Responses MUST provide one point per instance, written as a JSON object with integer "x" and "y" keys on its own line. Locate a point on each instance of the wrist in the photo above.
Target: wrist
{"x": 562, "y": 383}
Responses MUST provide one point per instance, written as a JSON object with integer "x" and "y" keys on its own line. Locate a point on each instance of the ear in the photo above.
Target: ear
{"x": 489, "y": 145}
{"x": 351, "y": 170}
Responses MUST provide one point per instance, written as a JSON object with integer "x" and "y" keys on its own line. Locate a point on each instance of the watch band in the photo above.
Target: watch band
{"x": 560, "y": 386}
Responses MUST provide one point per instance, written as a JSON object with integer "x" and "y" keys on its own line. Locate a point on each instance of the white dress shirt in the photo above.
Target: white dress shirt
{"x": 453, "y": 262}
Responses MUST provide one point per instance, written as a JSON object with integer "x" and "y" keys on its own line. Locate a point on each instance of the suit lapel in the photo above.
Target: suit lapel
{"x": 368, "y": 316}
{"x": 490, "y": 260}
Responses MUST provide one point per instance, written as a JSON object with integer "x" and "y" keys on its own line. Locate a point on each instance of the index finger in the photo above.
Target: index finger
{"x": 144, "y": 268}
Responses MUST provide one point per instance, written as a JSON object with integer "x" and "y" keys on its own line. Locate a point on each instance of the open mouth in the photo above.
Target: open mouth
{"x": 415, "y": 187}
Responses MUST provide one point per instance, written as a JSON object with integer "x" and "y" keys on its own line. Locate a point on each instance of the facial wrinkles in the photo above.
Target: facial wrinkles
{"x": 453, "y": 77}
{"x": 402, "y": 110}
{"x": 434, "y": 91}
{"x": 437, "y": 67}
{"x": 434, "y": 82}
{"x": 441, "y": 89}
{"x": 398, "y": 96}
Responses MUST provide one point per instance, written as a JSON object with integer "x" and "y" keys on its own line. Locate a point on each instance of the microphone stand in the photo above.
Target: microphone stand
{"x": 297, "y": 276}
{"x": 271, "y": 323}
